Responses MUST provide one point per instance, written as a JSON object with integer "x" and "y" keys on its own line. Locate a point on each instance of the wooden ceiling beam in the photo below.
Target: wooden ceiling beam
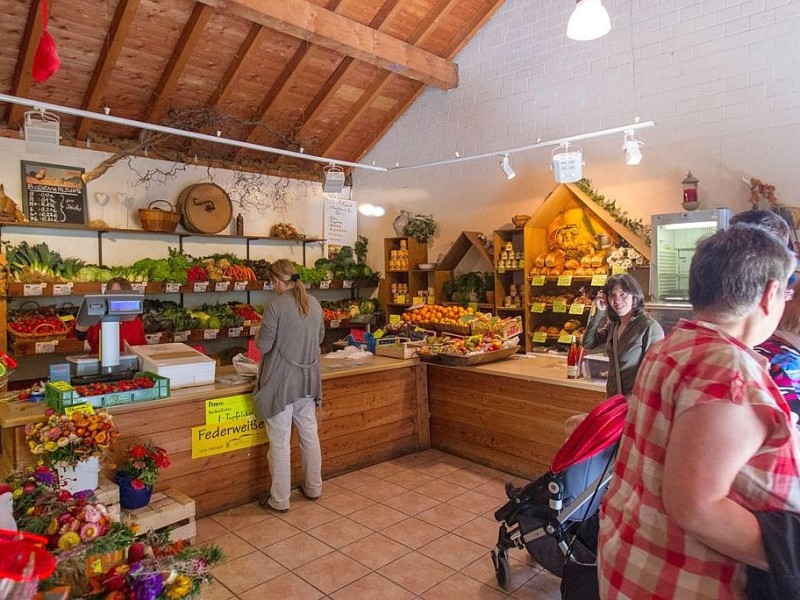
{"x": 316, "y": 24}
{"x": 191, "y": 34}
{"x": 22, "y": 75}
{"x": 109, "y": 53}
{"x": 251, "y": 43}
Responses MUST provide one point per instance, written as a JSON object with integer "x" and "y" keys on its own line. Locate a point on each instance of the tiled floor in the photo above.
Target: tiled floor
{"x": 420, "y": 526}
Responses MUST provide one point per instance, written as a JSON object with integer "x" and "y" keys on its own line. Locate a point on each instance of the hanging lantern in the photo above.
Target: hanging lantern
{"x": 690, "y": 188}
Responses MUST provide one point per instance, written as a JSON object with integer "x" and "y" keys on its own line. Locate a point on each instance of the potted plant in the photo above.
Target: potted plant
{"x": 421, "y": 227}
{"x": 488, "y": 286}
{"x": 139, "y": 472}
{"x": 72, "y": 444}
{"x": 467, "y": 287}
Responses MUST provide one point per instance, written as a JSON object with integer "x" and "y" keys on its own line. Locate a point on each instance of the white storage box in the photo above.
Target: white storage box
{"x": 184, "y": 365}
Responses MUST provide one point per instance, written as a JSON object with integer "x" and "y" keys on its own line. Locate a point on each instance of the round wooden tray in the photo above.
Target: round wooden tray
{"x": 205, "y": 208}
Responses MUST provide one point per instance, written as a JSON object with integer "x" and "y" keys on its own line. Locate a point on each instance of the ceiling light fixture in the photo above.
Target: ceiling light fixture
{"x": 567, "y": 163}
{"x": 42, "y": 131}
{"x": 505, "y": 165}
{"x": 632, "y": 147}
{"x": 588, "y": 21}
{"x": 334, "y": 179}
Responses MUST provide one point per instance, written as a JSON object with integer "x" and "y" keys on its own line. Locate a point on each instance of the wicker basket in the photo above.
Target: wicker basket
{"x": 159, "y": 219}
{"x": 43, "y": 333}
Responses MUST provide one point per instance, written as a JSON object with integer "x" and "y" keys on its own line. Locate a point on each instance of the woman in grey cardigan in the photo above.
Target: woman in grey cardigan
{"x": 289, "y": 383}
{"x": 627, "y": 331}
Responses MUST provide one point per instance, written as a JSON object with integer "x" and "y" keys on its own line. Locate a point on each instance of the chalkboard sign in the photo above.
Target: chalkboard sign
{"x": 53, "y": 193}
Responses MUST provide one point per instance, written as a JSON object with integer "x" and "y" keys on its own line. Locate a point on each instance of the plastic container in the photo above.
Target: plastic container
{"x": 60, "y": 395}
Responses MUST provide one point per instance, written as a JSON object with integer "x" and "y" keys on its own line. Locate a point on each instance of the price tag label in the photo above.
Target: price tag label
{"x": 400, "y": 299}
{"x": 200, "y": 286}
{"x": 210, "y": 334}
{"x": 473, "y": 306}
{"x": 62, "y": 289}
{"x": 599, "y": 280}
{"x": 431, "y": 299}
{"x": 240, "y": 286}
{"x": 615, "y": 270}
{"x": 577, "y": 308}
{"x": 559, "y": 306}
{"x": 379, "y": 334}
{"x": 394, "y": 319}
{"x": 234, "y": 331}
{"x": 32, "y": 289}
{"x": 84, "y": 408}
{"x": 540, "y": 337}
{"x": 181, "y": 336}
{"x": 417, "y": 300}
{"x": 565, "y": 280}
{"x": 565, "y": 338}
{"x": 61, "y": 386}
{"x": 172, "y": 288}
{"x": 46, "y": 347}
{"x": 501, "y": 269}
{"x": 267, "y": 286}
{"x": 538, "y": 307}
{"x": 139, "y": 288}
{"x": 335, "y": 323}
{"x": 537, "y": 280}
{"x": 153, "y": 338}
{"x": 96, "y": 567}
{"x": 347, "y": 284}
{"x": 222, "y": 286}
{"x": 254, "y": 329}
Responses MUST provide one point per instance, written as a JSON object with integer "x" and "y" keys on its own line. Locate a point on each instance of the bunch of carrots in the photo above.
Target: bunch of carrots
{"x": 239, "y": 273}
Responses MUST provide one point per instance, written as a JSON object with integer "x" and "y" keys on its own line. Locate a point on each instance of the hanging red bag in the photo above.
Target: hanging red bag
{"x": 46, "y": 61}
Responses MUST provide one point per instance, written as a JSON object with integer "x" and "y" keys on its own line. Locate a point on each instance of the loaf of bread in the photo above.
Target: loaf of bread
{"x": 553, "y": 331}
{"x": 557, "y": 271}
{"x": 569, "y": 272}
{"x": 572, "y": 264}
{"x": 539, "y": 260}
{"x": 601, "y": 270}
{"x": 599, "y": 258}
{"x": 556, "y": 258}
{"x": 586, "y": 261}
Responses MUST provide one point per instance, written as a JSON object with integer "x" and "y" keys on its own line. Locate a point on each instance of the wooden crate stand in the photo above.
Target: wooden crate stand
{"x": 168, "y": 508}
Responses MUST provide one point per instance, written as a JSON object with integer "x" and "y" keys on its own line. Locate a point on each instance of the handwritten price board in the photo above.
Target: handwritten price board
{"x": 53, "y": 193}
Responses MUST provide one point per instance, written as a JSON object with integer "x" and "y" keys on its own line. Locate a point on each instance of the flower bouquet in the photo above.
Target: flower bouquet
{"x": 139, "y": 472}
{"x": 625, "y": 258}
{"x": 65, "y": 440}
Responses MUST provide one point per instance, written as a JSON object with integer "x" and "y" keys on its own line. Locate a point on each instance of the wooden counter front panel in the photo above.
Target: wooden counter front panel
{"x": 513, "y": 425}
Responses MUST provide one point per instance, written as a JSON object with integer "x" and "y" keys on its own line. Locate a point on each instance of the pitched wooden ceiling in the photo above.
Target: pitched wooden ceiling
{"x": 328, "y": 76}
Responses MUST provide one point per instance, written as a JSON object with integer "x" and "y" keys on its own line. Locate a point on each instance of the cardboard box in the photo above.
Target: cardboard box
{"x": 183, "y": 365}
{"x": 397, "y": 347}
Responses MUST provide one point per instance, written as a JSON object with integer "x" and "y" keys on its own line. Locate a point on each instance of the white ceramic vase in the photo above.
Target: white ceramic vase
{"x": 400, "y": 222}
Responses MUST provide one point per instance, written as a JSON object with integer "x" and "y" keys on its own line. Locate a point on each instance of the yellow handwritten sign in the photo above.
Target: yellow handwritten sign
{"x": 559, "y": 306}
{"x": 230, "y": 408}
{"x": 564, "y": 280}
{"x": 577, "y": 308}
{"x": 537, "y": 307}
{"x": 218, "y": 438}
{"x": 540, "y": 337}
{"x": 537, "y": 280}
{"x": 615, "y": 270}
{"x": 86, "y": 409}
{"x": 599, "y": 280}
{"x": 565, "y": 338}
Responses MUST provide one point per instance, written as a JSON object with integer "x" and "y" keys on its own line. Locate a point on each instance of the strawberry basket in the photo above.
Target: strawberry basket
{"x": 38, "y": 329}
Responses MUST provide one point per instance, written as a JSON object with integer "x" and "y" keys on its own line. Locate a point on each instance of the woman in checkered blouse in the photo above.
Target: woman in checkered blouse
{"x": 708, "y": 438}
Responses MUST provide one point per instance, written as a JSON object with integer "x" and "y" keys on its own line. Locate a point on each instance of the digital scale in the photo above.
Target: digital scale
{"x": 109, "y": 311}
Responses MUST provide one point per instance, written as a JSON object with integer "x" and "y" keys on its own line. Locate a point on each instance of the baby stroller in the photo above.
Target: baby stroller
{"x": 555, "y": 517}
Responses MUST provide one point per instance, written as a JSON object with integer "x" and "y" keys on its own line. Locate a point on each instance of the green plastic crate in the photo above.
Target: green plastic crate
{"x": 61, "y": 395}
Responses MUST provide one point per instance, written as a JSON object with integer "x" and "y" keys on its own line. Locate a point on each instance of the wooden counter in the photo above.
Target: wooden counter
{"x": 509, "y": 415}
{"x": 372, "y": 410}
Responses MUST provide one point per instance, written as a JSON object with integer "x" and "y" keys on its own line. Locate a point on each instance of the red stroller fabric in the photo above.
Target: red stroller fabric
{"x": 601, "y": 428}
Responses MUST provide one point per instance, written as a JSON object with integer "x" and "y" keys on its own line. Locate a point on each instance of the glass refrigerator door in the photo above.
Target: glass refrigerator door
{"x": 674, "y": 239}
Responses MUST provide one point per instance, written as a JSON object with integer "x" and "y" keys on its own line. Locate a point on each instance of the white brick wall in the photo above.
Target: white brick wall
{"x": 720, "y": 77}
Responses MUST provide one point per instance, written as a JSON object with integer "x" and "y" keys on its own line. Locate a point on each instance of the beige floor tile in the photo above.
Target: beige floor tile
{"x": 446, "y": 516}
{"x": 542, "y": 586}
{"x": 241, "y": 517}
{"x": 415, "y": 572}
{"x": 436, "y": 468}
{"x": 409, "y": 461}
{"x": 433, "y": 453}
{"x": 332, "y": 572}
{"x": 413, "y": 532}
{"x": 309, "y": 516}
{"x": 454, "y": 551}
{"x": 268, "y": 532}
{"x": 458, "y": 586}
{"x": 455, "y": 460}
{"x": 375, "y": 551}
{"x": 208, "y": 528}
{"x": 410, "y": 502}
{"x": 467, "y": 478}
{"x": 297, "y": 550}
{"x": 480, "y": 530}
{"x": 340, "y": 532}
{"x": 346, "y": 502}
{"x": 484, "y": 470}
{"x": 383, "y": 469}
{"x": 247, "y": 572}
{"x": 409, "y": 478}
{"x": 475, "y": 502}
{"x": 381, "y": 490}
{"x": 372, "y": 587}
{"x": 441, "y": 490}
{"x": 483, "y": 570}
{"x": 216, "y": 591}
{"x": 285, "y": 587}
{"x": 377, "y": 516}
{"x": 495, "y": 488}
{"x": 232, "y": 545}
{"x": 330, "y": 489}
{"x": 354, "y": 479}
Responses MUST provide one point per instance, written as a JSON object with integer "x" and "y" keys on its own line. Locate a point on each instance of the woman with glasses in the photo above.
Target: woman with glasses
{"x": 618, "y": 320}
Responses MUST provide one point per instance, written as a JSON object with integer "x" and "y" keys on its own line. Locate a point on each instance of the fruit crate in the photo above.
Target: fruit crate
{"x": 60, "y": 395}
{"x": 169, "y": 508}
{"x": 397, "y": 347}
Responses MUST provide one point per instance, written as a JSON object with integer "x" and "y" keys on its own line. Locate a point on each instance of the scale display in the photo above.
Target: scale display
{"x": 124, "y": 306}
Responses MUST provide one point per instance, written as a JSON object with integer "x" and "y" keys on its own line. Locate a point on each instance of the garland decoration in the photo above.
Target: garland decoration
{"x": 635, "y": 226}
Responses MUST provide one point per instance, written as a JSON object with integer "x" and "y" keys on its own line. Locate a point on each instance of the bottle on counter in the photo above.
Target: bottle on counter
{"x": 239, "y": 224}
{"x": 574, "y": 359}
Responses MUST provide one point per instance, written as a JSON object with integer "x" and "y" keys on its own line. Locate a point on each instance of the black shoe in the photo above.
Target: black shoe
{"x": 263, "y": 502}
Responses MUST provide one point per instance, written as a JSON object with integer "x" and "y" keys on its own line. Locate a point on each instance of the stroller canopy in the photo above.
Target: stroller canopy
{"x": 601, "y": 428}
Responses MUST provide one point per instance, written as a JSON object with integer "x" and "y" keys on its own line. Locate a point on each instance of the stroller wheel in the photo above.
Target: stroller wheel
{"x": 502, "y": 568}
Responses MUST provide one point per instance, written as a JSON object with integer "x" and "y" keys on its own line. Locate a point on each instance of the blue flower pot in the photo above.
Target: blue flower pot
{"x": 130, "y": 497}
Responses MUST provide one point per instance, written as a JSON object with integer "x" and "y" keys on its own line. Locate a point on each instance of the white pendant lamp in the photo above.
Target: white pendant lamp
{"x": 588, "y": 21}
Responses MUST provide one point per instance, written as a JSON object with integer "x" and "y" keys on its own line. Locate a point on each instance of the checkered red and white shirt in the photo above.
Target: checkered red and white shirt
{"x": 645, "y": 554}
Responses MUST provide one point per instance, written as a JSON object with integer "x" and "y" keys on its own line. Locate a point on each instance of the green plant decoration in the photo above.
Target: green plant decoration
{"x": 635, "y": 226}
{"x": 421, "y": 227}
